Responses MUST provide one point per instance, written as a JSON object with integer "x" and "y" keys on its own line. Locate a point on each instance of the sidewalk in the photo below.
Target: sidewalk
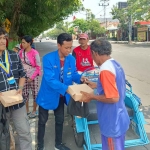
{"x": 133, "y": 43}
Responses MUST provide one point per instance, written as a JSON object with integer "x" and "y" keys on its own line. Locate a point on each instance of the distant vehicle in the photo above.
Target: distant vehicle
{"x": 47, "y": 38}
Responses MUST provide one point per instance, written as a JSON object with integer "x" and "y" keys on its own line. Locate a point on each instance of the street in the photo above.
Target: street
{"x": 135, "y": 59}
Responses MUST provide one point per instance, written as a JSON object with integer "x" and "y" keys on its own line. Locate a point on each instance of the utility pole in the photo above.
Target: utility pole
{"x": 104, "y": 4}
{"x": 88, "y": 14}
{"x": 130, "y": 29}
{"x": 130, "y": 23}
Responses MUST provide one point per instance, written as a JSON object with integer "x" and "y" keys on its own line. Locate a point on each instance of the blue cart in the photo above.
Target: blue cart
{"x": 87, "y": 129}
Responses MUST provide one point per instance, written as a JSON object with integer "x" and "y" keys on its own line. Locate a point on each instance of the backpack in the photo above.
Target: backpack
{"x": 4, "y": 130}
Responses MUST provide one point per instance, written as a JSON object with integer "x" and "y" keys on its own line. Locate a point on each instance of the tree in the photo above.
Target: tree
{"x": 121, "y": 15}
{"x": 71, "y": 30}
{"x": 95, "y": 27}
{"x": 54, "y": 33}
{"x": 60, "y": 27}
{"x": 90, "y": 26}
{"x": 81, "y": 24}
{"x": 139, "y": 9}
{"x": 33, "y": 17}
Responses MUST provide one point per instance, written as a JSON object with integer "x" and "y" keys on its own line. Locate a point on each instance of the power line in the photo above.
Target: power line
{"x": 101, "y": 11}
{"x": 104, "y": 4}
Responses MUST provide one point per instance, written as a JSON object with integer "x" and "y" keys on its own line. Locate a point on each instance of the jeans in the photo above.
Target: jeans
{"x": 59, "y": 120}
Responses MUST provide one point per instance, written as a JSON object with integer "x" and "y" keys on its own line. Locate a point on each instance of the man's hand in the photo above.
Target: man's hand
{"x": 29, "y": 80}
{"x": 84, "y": 79}
{"x": 92, "y": 85}
{"x": 86, "y": 97}
{"x": 19, "y": 91}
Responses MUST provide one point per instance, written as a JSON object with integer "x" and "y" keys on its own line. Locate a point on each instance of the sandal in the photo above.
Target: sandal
{"x": 33, "y": 115}
{"x": 28, "y": 114}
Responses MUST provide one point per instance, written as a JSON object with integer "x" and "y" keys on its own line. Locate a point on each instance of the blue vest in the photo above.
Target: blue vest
{"x": 113, "y": 118}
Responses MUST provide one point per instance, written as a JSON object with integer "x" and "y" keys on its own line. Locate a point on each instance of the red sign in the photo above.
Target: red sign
{"x": 142, "y": 23}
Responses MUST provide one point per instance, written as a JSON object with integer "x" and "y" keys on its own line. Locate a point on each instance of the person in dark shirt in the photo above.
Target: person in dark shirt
{"x": 14, "y": 79}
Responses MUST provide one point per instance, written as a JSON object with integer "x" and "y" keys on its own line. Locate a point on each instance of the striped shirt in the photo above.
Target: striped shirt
{"x": 61, "y": 70}
{"x": 16, "y": 70}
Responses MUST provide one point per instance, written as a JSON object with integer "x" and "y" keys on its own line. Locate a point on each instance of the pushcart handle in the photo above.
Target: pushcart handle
{"x": 88, "y": 69}
{"x": 129, "y": 85}
{"x": 127, "y": 82}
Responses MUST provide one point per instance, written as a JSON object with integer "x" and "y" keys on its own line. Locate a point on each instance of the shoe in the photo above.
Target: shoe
{"x": 40, "y": 148}
{"x": 37, "y": 113}
{"x": 28, "y": 114}
{"x": 32, "y": 115}
{"x": 61, "y": 147}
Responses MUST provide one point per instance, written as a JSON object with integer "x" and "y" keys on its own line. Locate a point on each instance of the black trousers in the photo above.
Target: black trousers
{"x": 59, "y": 120}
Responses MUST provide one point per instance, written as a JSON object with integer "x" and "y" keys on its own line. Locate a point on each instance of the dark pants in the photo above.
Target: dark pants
{"x": 59, "y": 119}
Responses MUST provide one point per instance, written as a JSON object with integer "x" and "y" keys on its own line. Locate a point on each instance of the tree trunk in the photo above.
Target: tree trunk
{"x": 15, "y": 19}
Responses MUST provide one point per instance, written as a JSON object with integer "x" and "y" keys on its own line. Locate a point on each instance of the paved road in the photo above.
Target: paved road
{"x": 135, "y": 61}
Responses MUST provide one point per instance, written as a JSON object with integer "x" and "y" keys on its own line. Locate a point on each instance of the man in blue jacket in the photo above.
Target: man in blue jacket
{"x": 59, "y": 72}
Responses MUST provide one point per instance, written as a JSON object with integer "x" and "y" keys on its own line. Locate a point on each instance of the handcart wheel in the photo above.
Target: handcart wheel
{"x": 92, "y": 74}
{"x": 79, "y": 137}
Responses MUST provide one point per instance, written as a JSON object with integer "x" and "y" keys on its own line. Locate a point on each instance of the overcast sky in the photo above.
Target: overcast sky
{"x": 97, "y": 10}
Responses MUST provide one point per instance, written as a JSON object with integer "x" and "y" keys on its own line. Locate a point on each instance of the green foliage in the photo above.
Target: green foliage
{"x": 33, "y": 17}
{"x": 60, "y": 27}
{"x": 54, "y": 33}
{"x": 121, "y": 15}
{"x": 92, "y": 26}
{"x": 139, "y": 9}
{"x": 95, "y": 28}
{"x": 71, "y": 30}
{"x": 81, "y": 24}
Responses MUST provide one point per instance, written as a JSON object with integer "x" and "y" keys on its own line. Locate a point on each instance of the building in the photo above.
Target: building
{"x": 142, "y": 30}
{"x": 111, "y": 25}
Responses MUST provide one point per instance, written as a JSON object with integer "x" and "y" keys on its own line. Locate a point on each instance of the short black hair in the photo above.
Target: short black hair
{"x": 101, "y": 46}
{"x": 2, "y": 31}
{"x": 64, "y": 37}
{"x": 28, "y": 39}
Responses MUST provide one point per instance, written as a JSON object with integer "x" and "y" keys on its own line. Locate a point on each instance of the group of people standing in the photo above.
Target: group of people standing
{"x": 60, "y": 69}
